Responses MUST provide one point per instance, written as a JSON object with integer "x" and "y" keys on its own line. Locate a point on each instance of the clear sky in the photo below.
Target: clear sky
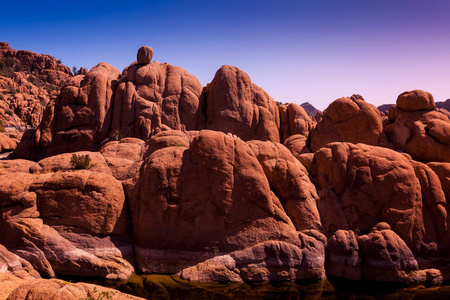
{"x": 298, "y": 51}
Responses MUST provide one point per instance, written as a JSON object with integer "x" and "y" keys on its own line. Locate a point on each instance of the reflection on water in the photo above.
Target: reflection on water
{"x": 172, "y": 287}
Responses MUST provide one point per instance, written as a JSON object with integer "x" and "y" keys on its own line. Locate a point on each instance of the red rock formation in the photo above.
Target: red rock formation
{"x": 28, "y": 81}
{"x": 290, "y": 182}
{"x": 151, "y": 94}
{"x": 233, "y": 104}
{"x": 414, "y": 127}
{"x": 80, "y": 235}
{"x": 78, "y": 120}
{"x": 267, "y": 261}
{"x": 294, "y": 120}
{"x": 361, "y": 185}
{"x": 59, "y": 289}
{"x": 348, "y": 120}
{"x": 192, "y": 203}
{"x": 343, "y": 256}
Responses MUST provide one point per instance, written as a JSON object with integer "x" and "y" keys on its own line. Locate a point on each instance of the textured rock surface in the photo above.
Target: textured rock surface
{"x": 267, "y": 261}
{"x": 386, "y": 257}
{"x": 78, "y": 120}
{"x": 294, "y": 120}
{"x": 348, "y": 120}
{"x": 361, "y": 185}
{"x": 343, "y": 257}
{"x": 28, "y": 81}
{"x": 424, "y": 134}
{"x": 290, "y": 182}
{"x": 59, "y": 289}
{"x": 68, "y": 223}
{"x": 154, "y": 94}
{"x": 415, "y": 100}
{"x": 192, "y": 203}
{"x": 233, "y": 104}
{"x": 7, "y": 143}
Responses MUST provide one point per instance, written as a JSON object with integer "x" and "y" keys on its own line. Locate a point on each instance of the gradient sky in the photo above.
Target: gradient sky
{"x": 298, "y": 51}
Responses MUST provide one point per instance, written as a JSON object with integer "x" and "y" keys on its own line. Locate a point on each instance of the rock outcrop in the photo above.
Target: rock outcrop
{"x": 59, "y": 289}
{"x": 348, "y": 120}
{"x": 87, "y": 234}
{"x": 79, "y": 119}
{"x": 361, "y": 185}
{"x": 28, "y": 81}
{"x": 151, "y": 94}
{"x": 191, "y": 203}
{"x": 294, "y": 120}
{"x": 415, "y": 127}
{"x": 233, "y": 104}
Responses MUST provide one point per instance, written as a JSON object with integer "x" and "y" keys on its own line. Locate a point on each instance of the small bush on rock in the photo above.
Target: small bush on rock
{"x": 81, "y": 161}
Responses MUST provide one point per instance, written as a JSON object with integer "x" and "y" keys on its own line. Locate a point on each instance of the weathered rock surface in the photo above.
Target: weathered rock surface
{"x": 290, "y": 182}
{"x": 233, "y": 104}
{"x": 348, "y": 120}
{"x": 297, "y": 144}
{"x": 294, "y": 120}
{"x": 386, "y": 257}
{"x": 343, "y": 258}
{"x": 415, "y": 100}
{"x": 266, "y": 261}
{"x": 79, "y": 119}
{"x": 361, "y": 185}
{"x": 192, "y": 203}
{"x": 416, "y": 128}
{"x": 28, "y": 81}
{"x": 69, "y": 223}
{"x": 7, "y": 143}
{"x": 153, "y": 94}
{"x": 59, "y": 289}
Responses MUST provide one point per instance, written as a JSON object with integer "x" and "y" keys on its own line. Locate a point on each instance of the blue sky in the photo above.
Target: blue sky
{"x": 298, "y": 51}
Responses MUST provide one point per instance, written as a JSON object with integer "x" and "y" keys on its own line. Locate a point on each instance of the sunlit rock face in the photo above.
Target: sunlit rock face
{"x": 348, "y": 120}
{"x": 221, "y": 183}
{"x": 78, "y": 120}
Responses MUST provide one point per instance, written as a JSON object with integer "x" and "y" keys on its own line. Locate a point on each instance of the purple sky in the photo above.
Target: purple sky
{"x": 298, "y": 51}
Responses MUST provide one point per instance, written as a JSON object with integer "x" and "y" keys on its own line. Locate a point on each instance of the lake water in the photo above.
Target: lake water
{"x": 172, "y": 287}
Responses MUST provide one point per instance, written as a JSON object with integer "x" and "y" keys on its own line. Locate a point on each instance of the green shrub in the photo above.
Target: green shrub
{"x": 9, "y": 112}
{"x": 81, "y": 161}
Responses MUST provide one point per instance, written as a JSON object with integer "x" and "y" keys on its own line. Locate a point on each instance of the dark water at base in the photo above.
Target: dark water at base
{"x": 172, "y": 287}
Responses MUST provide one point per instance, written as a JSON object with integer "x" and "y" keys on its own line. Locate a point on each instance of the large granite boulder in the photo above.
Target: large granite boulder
{"x": 69, "y": 223}
{"x": 151, "y": 94}
{"x": 415, "y": 127}
{"x": 60, "y": 289}
{"x": 348, "y": 120}
{"x": 361, "y": 185}
{"x": 290, "y": 182}
{"x": 233, "y": 104}
{"x": 202, "y": 200}
{"x": 79, "y": 119}
{"x": 266, "y": 261}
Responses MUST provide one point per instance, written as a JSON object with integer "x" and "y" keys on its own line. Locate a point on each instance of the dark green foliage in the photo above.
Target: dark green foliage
{"x": 9, "y": 65}
{"x": 9, "y": 112}
{"x": 33, "y": 80}
{"x": 81, "y": 161}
